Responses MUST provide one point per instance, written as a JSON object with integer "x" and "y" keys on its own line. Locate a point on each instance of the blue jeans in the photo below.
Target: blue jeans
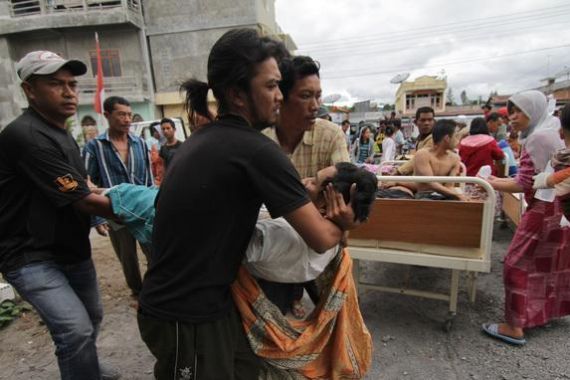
{"x": 67, "y": 299}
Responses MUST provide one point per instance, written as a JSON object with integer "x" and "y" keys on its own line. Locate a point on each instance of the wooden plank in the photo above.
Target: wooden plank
{"x": 446, "y": 223}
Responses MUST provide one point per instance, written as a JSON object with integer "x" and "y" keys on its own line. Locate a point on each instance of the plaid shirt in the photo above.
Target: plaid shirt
{"x": 106, "y": 169}
{"x": 322, "y": 146}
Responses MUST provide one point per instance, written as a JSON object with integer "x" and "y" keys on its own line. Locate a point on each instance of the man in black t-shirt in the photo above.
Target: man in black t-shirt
{"x": 44, "y": 223}
{"x": 168, "y": 149}
{"x": 207, "y": 209}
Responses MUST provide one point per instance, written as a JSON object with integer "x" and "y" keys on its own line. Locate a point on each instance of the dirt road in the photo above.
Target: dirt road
{"x": 409, "y": 342}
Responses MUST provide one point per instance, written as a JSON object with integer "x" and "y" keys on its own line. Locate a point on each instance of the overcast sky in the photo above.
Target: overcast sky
{"x": 483, "y": 46}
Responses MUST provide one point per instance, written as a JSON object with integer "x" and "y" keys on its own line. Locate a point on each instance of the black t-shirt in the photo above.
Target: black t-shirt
{"x": 206, "y": 212}
{"x": 41, "y": 175}
{"x": 167, "y": 152}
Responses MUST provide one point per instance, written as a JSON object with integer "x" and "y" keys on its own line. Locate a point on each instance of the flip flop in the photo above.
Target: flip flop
{"x": 492, "y": 329}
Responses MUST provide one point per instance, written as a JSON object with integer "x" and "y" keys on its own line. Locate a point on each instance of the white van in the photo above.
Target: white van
{"x": 142, "y": 128}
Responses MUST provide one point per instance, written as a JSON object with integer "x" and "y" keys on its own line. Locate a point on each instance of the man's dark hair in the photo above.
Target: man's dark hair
{"x": 397, "y": 123}
{"x": 88, "y": 120}
{"x": 389, "y": 131}
{"x": 565, "y": 117}
{"x": 345, "y": 122}
{"x": 493, "y": 116}
{"x": 478, "y": 127}
{"x": 169, "y": 121}
{"x": 421, "y": 110}
{"x": 442, "y": 128}
{"x": 293, "y": 69}
{"x": 366, "y": 186}
{"x": 109, "y": 103}
{"x": 232, "y": 63}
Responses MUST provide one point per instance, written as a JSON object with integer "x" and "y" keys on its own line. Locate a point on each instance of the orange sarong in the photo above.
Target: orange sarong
{"x": 332, "y": 343}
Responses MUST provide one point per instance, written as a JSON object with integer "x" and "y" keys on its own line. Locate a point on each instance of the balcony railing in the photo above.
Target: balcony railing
{"x": 20, "y": 8}
{"x": 130, "y": 87}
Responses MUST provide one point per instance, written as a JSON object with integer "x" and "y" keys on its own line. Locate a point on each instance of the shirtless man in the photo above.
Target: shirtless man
{"x": 439, "y": 160}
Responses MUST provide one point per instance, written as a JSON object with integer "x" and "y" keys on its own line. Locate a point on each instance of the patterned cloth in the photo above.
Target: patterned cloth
{"x": 322, "y": 146}
{"x": 537, "y": 265}
{"x": 332, "y": 343}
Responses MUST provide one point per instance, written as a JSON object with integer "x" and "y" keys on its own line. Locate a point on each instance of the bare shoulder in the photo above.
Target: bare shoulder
{"x": 454, "y": 157}
{"x": 422, "y": 154}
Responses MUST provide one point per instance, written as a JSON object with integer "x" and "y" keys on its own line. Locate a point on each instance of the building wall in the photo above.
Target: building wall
{"x": 181, "y": 33}
{"x": 11, "y": 96}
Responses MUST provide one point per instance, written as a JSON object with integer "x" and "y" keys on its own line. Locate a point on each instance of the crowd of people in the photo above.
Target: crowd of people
{"x": 254, "y": 209}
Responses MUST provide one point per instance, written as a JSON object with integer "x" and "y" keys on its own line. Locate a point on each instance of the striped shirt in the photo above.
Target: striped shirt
{"x": 106, "y": 168}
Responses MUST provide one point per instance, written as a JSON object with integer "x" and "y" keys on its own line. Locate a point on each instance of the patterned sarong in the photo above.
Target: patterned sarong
{"x": 332, "y": 343}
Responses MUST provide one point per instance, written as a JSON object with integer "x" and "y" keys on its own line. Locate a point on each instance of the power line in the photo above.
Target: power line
{"x": 521, "y": 23}
{"x": 438, "y": 65}
{"x": 390, "y": 50}
{"x": 458, "y": 23}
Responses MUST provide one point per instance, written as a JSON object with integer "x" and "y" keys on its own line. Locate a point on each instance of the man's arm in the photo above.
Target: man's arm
{"x": 407, "y": 168}
{"x": 321, "y": 233}
{"x": 94, "y": 204}
{"x": 423, "y": 168}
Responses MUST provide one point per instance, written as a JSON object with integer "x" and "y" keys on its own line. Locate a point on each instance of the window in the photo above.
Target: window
{"x": 110, "y": 62}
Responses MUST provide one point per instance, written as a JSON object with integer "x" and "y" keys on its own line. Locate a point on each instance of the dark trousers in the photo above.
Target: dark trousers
{"x": 125, "y": 247}
{"x": 200, "y": 351}
{"x": 282, "y": 295}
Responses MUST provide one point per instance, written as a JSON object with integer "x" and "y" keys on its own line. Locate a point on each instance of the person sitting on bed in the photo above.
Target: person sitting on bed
{"x": 440, "y": 160}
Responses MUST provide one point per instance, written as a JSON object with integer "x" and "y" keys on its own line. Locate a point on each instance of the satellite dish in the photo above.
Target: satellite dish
{"x": 400, "y": 78}
{"x": 331, "y": 98}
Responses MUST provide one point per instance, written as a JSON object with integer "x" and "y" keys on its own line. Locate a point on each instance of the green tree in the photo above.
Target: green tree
{"x": 464, "y": 98}
{"x": 450, "y": 97}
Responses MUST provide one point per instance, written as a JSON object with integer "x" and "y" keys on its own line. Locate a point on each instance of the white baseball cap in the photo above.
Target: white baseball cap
{"x": 45, "y": 62}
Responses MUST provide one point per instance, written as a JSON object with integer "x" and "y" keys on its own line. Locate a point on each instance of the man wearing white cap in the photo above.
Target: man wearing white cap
{"x": 45, "y": 204}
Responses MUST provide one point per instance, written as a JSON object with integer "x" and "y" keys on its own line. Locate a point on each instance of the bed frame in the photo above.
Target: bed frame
{"x": 441, "y": 234}
{"x": 514, "y": 206}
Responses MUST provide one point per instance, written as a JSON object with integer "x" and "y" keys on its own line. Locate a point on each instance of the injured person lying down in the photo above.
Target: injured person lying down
{"x": 333, "y": 341}
{"x": 276, "y": 252}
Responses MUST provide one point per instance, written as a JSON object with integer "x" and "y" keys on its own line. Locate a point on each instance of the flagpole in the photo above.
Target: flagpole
{"x": 100, "y": 90}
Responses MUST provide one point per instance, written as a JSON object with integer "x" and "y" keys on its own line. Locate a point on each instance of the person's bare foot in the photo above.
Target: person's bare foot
{"x": 297, "y": 309}
{"x": 508, "y": 330}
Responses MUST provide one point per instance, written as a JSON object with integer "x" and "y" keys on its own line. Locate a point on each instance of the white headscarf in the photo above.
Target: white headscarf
{"x": 541, "y": 140}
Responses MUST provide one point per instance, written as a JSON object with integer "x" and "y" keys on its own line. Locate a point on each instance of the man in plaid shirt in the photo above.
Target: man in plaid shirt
{"x": 116, "y": 157}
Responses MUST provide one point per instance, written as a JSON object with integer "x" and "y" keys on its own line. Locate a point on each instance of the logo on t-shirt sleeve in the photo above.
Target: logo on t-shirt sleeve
{"x": 66, "y": 183}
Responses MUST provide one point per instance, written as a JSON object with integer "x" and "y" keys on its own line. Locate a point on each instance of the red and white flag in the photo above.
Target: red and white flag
{"x": 100, "y": 91}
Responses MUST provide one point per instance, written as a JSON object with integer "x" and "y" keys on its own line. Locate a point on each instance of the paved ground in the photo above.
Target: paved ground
{"x": 409, "y": 342}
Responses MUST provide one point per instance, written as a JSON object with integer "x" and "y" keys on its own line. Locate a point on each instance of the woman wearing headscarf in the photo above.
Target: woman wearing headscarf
{"x": 479, "y": 148}
{"x": 536, "y": 272}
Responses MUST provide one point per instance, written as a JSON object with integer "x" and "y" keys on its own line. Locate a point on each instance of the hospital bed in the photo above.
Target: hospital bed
{"x": 451, "y": 235}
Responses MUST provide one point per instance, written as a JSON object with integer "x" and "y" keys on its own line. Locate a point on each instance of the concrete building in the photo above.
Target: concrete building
{"x": 181, "y": 33}
{"x": 423, "y": 91}
{"x": 148, "y": 46}
{"x": 68, "y": 27}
